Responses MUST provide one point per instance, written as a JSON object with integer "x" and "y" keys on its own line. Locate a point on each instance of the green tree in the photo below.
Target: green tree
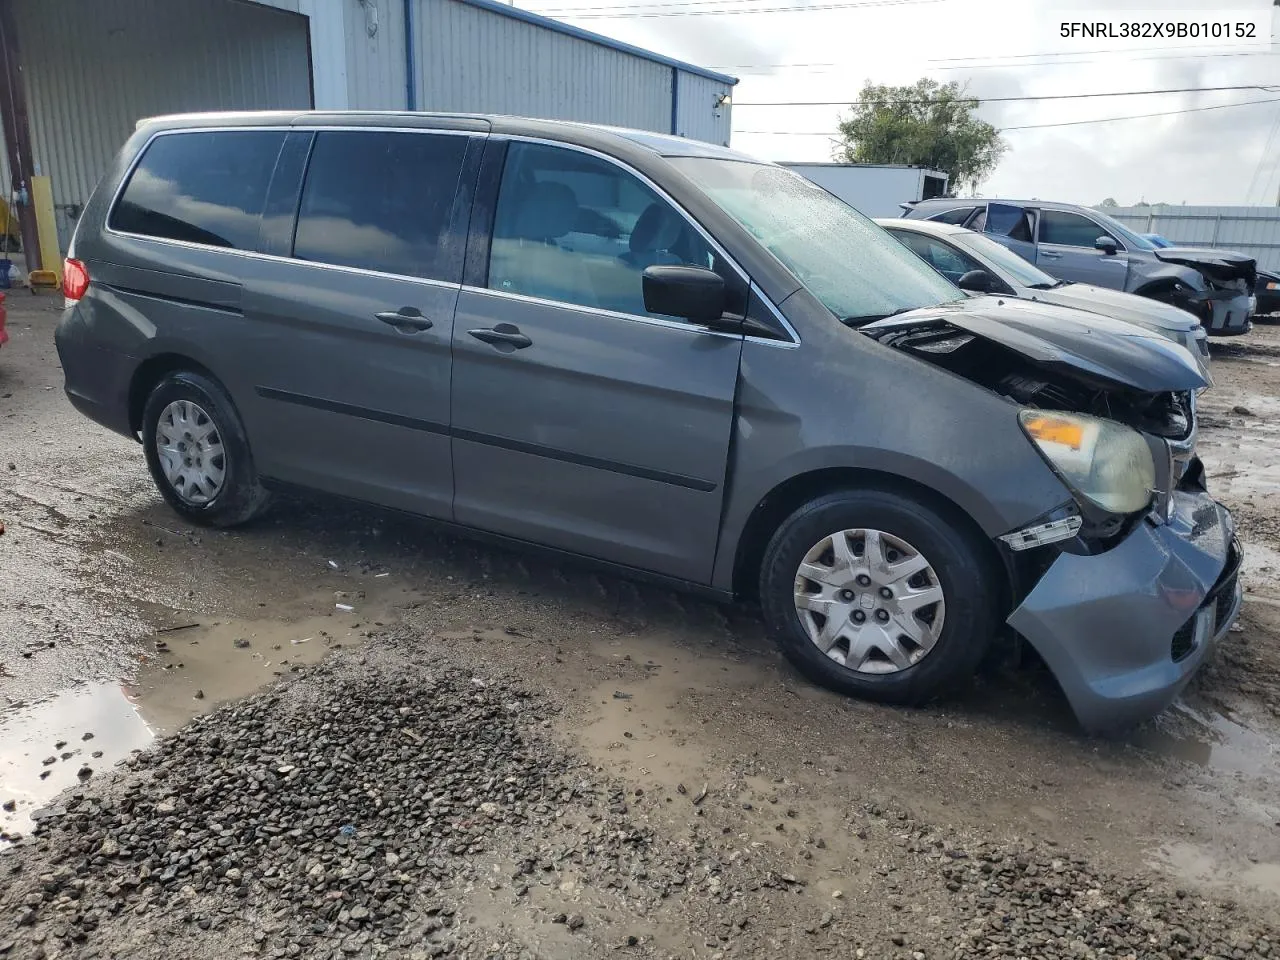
{"x": 928, "y": 124}
{"x": 1109, "y": 202}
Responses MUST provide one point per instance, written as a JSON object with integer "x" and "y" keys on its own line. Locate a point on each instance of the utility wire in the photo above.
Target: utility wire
{"x": 1039, "y": 126}
{"x": 1262, "y": 160}
{"x": 736, "y": 11}
{"x": 1264, "y": 88}
{"x": 1059, "y": 53}
{"x": 713, "y": 5}
{"x": 1141, "y": 116}
{"x": 1063, "y": 63}
{"x": 793, "y": 69}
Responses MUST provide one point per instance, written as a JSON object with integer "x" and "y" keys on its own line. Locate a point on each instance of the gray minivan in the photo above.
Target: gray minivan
{"x": 663, "y": 356}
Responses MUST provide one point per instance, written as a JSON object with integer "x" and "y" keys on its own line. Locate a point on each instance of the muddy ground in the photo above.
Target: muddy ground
{"x": 119, "y": 621}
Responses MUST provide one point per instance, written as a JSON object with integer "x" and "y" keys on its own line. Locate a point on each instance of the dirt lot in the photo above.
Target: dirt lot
{"x": 499, "y": 757}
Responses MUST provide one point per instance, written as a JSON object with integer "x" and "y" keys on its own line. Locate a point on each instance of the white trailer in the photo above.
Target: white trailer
{"x": 875, "y": 189}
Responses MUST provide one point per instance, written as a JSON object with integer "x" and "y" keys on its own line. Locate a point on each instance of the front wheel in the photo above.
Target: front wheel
{"x": 198, "y": 453}
{"x": 879, "y": 595}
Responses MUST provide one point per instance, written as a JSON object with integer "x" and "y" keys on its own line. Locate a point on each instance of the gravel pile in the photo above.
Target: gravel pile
{"x": 375, "y": 806}
{"x": 323, "y": 810}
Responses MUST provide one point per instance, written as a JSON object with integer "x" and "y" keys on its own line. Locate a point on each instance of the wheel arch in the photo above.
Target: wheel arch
{"x": 792, "y": 493}
{"x": 149, "y": 374}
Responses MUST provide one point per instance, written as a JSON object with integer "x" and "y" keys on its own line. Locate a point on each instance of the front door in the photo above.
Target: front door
{"x": 580, "y": 420}
{"x": 1066, "y": 250}
{"x": 353, "y": 327}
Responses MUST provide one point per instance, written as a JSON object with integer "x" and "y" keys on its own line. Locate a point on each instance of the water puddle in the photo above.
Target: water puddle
{"x": 43, "y": 749}
{"x": 46, "y": 746}
{"x": 1214, "y": 740}
{"x": 204, "y": 665}
{"x": 1203, "y": 865}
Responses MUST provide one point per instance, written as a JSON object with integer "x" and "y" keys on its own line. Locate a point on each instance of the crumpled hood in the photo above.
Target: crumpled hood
{"x": 1162, "y": 318}
{"x": 1220, "y": 265}
{"x": 1089, "y": 345}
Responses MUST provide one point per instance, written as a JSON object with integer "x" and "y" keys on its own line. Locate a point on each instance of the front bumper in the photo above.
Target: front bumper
{"x": 1125, "y": 630}
{"x": 1228, "y": 316}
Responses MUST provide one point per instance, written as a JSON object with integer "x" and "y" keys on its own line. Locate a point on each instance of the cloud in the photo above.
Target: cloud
{"x": 1204, "y": 157}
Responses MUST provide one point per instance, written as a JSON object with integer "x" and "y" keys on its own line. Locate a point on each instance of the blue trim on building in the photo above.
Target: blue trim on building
{"x": 547, "y": 23}
{"x": 410, "y": 62}
{"x": 675, "y": 101}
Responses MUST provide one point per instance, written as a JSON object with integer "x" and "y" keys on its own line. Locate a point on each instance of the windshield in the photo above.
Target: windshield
{"x": 1003, "y": 259}
{"x": 852, "y": 266}
{"x": 1120, "y": 232}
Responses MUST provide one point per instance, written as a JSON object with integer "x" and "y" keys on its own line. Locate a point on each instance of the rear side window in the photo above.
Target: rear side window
{"x": 957, "y": 216}
{"x": 199, "y": 187}
{"x": 381, "y": 201}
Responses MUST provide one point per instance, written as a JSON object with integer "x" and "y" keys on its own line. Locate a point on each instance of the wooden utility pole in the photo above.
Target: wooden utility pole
{"x": 17, "y": 135}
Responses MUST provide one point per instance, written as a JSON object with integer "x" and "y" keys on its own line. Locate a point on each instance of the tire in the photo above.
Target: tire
{"x": 935, "y": 662}
{"x": 210, "y": 417}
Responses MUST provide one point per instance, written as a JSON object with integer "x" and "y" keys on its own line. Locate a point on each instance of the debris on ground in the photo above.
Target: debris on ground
{"x": 369, "y": 806}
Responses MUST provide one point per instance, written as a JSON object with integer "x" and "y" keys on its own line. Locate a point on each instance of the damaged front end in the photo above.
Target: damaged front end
{"x": 1053, "y": 358}
{"x": 1220, "y": 267}
{"x": 1123, "y": 588}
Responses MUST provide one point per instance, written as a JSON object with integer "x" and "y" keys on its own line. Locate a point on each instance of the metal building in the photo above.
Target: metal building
{"x": 89, "y": 71}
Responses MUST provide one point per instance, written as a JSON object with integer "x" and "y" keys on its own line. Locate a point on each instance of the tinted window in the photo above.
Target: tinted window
{"x": 381, "y": 201}
{"x": 201, "y": 187}
{"x": 943, "y": 257}
{"x": 1068, "y": 229}
{"x": 958, "y": 216}
{"x": 1009, "y": 221}
{"x": 575, "y": 228}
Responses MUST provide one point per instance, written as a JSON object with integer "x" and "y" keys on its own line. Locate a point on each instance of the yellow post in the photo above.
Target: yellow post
{"x": 46, "y": 227}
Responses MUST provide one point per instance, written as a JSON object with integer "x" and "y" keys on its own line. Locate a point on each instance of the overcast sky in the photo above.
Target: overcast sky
{"x": 1219, "y": 156}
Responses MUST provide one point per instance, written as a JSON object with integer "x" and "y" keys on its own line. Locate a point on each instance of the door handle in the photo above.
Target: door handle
{"x": 502, "y": 335}
{"x": 1050, "y": 255}
{"x": 406, "y": 319}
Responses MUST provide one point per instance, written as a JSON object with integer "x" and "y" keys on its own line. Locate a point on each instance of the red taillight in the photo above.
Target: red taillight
{"x": 75, "y": 279}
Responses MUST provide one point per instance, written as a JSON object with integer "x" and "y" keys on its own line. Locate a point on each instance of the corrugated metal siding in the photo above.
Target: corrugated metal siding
{"x": 697, "y": 116}
{"x": 1251, "y": 230}
{"x": 470, "y": 59}
{"x": 328, "y": 34}
{"x": 375, "y": 64}
{"x": 93, "y": 70}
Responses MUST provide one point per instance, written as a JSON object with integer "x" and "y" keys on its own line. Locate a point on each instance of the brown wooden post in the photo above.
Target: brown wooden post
{"x": 17, "y": 134}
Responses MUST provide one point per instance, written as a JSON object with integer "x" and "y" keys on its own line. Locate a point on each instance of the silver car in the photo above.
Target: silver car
{"x": 976, "y": 263}
{"x": 1081, "y": 245}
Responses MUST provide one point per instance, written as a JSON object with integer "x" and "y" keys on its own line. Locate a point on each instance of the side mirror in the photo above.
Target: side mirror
{"x": 692, "y": 293}
{"x": 1106, "y": 244}
{"x": 976, "y": 281}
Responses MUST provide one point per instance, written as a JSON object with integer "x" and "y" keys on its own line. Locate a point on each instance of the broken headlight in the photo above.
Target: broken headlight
{"x": 1105, "y": 463}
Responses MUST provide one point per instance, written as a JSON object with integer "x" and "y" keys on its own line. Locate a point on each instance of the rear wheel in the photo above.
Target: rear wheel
{"x": 198, "y": 453}
{"x": 879, "y": 595}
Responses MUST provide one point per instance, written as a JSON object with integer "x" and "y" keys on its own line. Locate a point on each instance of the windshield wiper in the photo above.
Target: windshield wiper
{"x": 873, "y": 317}
{"x": 1049, "y": 286}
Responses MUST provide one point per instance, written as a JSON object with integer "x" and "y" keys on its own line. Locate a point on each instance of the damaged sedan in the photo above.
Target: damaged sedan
{"x": 1081, "y": 245}
{"x": 665, "y": 357}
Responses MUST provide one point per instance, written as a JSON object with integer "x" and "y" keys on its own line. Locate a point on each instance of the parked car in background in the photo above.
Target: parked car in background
{"x": 976, "y": 263}
{"x": 664, "y": 356}
{"x": 1080, "y": 244}
{"x": 1267, "y": 293}
{"x": 1266, "y": 289}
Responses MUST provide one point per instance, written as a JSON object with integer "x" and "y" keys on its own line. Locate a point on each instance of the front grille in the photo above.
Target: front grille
{"x": 1222, "y": 605}
{"x": 1220, "y": 599}
{"x": 1184, "y": 641}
